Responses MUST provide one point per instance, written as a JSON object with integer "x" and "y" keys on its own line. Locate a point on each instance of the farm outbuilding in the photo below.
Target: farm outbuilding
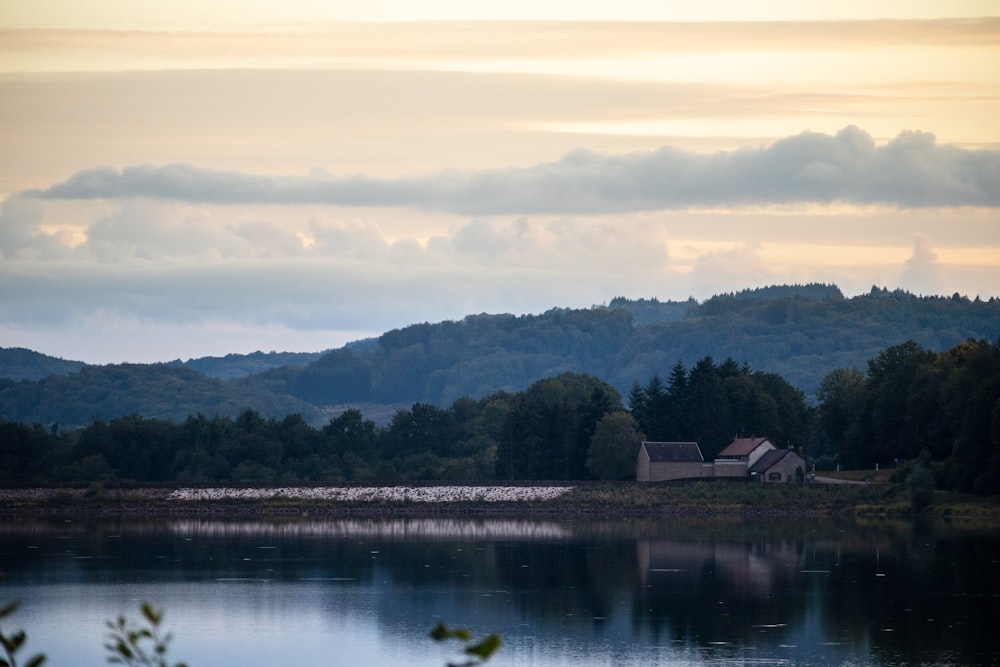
{"x": 663, "y": 461}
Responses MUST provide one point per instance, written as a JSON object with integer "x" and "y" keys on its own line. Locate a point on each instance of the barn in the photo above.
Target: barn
{"x": 663, "y": 461}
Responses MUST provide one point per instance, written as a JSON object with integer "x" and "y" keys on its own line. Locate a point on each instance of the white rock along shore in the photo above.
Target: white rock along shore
{"x": 416, "y": 494}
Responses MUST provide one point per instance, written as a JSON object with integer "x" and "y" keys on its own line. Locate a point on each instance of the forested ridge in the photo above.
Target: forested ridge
{"x": 242, "y": 365}
{"x": 18, "y": 363}
{"x": 799, "y": 336}
{"x": 911, "y": 409}
{"x": 800, "y": 332}
{"x": 153, "y": 390}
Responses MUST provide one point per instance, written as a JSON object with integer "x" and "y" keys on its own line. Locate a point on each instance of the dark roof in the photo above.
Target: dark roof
{"x": 673, "y": 452}
{"x": 769, "y": 458}
{"x": 742, "y": 446}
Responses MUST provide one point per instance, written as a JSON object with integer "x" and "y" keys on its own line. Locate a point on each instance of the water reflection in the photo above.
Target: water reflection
{"x": 584, "y": 593}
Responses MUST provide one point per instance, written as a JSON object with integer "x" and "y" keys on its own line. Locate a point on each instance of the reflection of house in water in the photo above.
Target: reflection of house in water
{"x": 747, "y": 568}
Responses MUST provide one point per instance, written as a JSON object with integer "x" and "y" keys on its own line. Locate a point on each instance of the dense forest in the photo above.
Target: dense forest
{"x": 911, "y": 402}
{"x": 800, "y": 332}
{"x": 911, "y": 407}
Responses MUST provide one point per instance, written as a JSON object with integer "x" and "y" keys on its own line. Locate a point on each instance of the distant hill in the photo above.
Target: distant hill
{"x": 150, "y": 390}
{"x": 815, "y": 291}
{"x": 647, "y": 311}
{"x": 234, "y": 366}
{"x": 18, "y": 363}
{"x": 799, "y": 332}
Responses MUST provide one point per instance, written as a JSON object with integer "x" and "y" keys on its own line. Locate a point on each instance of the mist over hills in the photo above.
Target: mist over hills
{"x": 801, "y": 332}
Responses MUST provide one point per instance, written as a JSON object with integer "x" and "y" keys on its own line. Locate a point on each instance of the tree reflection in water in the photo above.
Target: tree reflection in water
{"x": 587, "y": 592}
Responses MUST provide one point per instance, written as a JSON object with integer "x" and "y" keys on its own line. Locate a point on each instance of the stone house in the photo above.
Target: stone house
{"x": 663, "y": 461}
{"x": 779, "y": 466}
{"x": 740, "y": 455}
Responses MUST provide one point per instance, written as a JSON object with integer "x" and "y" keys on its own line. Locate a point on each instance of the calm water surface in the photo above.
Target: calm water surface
{"x": 622, "y": 592}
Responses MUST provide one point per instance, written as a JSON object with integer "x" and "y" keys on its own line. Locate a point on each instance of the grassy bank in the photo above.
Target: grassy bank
{"x": 697, "y": 498}
{"x": 723, "y": 497}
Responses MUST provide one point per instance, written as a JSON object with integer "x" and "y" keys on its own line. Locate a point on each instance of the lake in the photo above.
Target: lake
{"x": 361, "y": 591}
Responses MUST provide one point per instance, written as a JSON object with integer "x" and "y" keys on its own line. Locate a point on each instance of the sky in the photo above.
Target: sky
{"x": 195, "y": 178}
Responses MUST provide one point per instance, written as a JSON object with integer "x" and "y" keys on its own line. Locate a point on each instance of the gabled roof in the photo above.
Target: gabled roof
{"x": 673, "y": 452}
{"x": 769, "y": 459}
{"x": 742, "y": 447}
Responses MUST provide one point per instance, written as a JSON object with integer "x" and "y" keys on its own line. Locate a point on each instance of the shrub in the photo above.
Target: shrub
{"x": 13, "y": 643}
{"x": 920, "y": 487}
{"x": 144, "y": 644}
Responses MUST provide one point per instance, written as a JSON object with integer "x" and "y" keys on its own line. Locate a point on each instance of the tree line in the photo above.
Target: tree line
{"x": 711, "y": 403}
{"x": 572, "y": 426}
{"x": 466, "y": 441}
{"x": 943, "y": 408}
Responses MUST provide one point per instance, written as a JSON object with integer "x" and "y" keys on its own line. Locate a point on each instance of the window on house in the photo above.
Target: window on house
{"x": 774, "y": 476}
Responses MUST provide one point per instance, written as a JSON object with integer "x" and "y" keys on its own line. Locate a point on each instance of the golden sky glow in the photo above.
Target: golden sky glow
{"x": 187, "y": 13}
{"x": 429, "y": 160}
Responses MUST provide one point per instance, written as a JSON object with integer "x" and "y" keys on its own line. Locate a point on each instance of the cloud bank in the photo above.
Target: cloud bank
{"x": 911, "y": 171}
{"x": 150, "y": 263}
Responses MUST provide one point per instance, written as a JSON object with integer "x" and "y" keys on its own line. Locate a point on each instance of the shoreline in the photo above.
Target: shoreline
{"x": 583, "y": 500}
{"x": 279, "y": 502}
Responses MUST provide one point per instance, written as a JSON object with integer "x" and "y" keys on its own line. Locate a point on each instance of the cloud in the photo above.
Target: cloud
{"x": 912, "y": 170}
{"x": 19, "y": 219}
{"x": 151, "y": 231}
{"x": 270, "y": 240}
{"x": 620, "y": 246}
{"x": 921, "y": 272}
{"x": 491, "y": 241}
{"x": 178, "y": 265}
{"x": 745, "y": 264}
{"x": 21, "y": 233}
{"x": 347, "y": 239}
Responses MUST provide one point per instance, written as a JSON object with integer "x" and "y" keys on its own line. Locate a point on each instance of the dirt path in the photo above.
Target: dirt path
{"x": 834, "y": 480}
